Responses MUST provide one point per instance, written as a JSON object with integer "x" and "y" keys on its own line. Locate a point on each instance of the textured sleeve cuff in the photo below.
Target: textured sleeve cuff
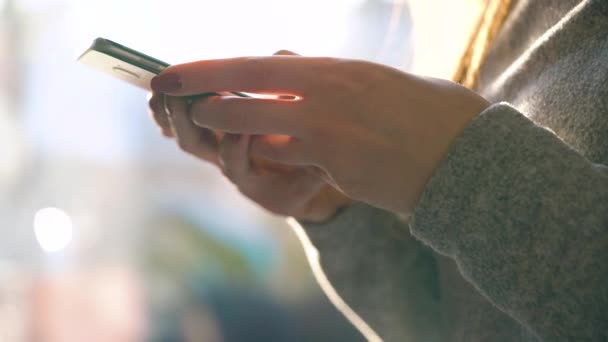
{"x": 525, "y": 217}
{"x": 488, "y": 179}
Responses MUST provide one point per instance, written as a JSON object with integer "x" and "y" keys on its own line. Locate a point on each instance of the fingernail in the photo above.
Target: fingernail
{"x": 166, "y": 83}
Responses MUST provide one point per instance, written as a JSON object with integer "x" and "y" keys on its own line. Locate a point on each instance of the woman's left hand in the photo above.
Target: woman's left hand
{"x": 378, "y": 133}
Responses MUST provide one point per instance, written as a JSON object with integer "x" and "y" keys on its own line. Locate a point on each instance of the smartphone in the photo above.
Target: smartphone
{"x": 127, "y": 64}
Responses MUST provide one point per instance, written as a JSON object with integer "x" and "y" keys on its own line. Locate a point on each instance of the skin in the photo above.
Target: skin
{"x": 296, "y": 191}
{"x": 341, "y": 129}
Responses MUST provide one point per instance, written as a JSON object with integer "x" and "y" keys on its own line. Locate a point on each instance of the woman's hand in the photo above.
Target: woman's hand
{"x": 200, "y": 142}
{"x": 377, "y": 133}
{"x": 298, "y": 191}
{"x": 285, "y": 190}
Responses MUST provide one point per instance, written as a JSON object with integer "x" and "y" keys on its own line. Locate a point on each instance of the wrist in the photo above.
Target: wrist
{"x": 325, "y": 206}
{"x": 444, "y": 125}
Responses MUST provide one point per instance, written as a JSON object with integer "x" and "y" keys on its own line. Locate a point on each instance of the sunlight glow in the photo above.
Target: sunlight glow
{"x": 53, "y": 229}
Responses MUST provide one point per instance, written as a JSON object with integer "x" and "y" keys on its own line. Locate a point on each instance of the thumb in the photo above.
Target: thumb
{"x": 280, "y": 149}
{"x": 285, "y": 53}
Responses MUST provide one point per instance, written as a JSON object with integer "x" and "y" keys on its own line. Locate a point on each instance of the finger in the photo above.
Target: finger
{"x": 190, "y": 138}
{"x": 281, "y": 149}
{"x": 157, "y": 112}
{"x": 276, "y": 191}
{"x": 248, "y": 115}
{"x": 280, "y": 192}
{"x": 267, "y": 75}
{"x": 234, "y": 156}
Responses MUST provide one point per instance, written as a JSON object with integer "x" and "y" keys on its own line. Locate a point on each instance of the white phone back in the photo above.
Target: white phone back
{"x": 117, "y": 68}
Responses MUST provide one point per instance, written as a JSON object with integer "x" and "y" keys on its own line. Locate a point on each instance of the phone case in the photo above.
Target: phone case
{"x": 122, "y": 62}
{"x": 128, "y": 65}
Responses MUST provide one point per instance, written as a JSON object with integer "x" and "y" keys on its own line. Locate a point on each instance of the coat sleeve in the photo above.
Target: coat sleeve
{"x": 525, "y": 217}
{"x": 385, "y": 275}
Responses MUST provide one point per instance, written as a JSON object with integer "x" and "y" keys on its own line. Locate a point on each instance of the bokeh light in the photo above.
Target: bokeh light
{"x": 53, "y": 228}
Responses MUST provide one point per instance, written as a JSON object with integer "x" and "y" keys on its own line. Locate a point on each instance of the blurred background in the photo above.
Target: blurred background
{"x": 107, "y": 231}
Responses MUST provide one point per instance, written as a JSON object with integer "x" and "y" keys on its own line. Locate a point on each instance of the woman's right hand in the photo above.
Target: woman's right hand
{"x": 300, "y": 192}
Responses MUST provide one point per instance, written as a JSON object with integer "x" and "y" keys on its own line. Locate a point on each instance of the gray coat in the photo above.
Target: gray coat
{"x": 510, "y": 239}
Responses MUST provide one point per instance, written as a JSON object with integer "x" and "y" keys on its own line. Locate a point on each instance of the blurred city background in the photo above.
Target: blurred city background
{"x": 107, "y": 231}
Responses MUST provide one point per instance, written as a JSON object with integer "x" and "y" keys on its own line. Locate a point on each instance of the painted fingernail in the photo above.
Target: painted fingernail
{"x": 166, "y": 83}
